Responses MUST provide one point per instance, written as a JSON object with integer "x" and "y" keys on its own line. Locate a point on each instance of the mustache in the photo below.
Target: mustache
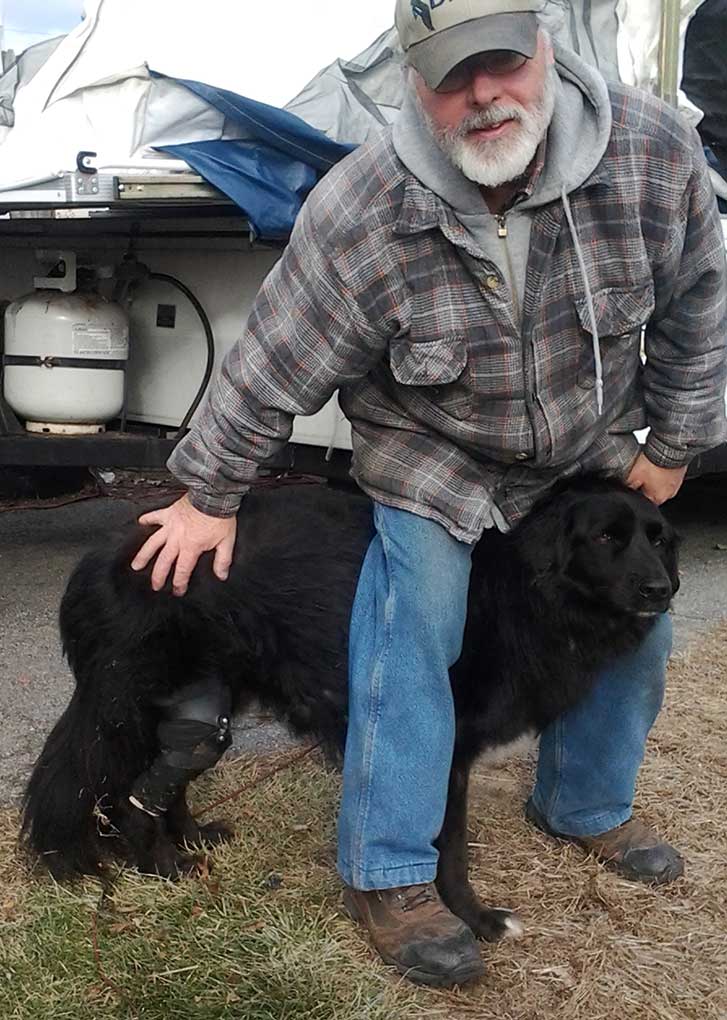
{"x": 492, "y": 115}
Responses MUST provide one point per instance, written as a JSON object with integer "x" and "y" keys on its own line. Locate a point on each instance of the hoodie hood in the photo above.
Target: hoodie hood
{"x": 576, "y": 141}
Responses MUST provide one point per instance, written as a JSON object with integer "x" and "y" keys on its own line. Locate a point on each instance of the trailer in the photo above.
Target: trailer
{"x": 181, "y": 239}
{"x": 198, "y": 266}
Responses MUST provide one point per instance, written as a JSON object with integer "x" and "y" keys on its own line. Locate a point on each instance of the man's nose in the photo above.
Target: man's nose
{"x": 484, "y": 88}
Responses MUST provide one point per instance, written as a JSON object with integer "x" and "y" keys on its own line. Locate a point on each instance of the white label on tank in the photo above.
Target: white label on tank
{"x": 100, "y": 341}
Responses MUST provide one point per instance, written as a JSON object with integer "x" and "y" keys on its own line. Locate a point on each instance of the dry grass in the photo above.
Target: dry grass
{"x": 262, "y": 937}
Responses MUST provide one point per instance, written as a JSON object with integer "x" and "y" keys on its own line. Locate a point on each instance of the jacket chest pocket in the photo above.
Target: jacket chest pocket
{"x": 435, "y": 370}
{"x": 620, "y": 315}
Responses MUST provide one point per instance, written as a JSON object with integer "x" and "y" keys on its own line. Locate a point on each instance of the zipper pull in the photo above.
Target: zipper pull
{"x": 501, "y": 227}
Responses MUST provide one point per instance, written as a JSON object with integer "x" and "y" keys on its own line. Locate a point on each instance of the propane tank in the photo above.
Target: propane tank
{"x": 66, "y": 349}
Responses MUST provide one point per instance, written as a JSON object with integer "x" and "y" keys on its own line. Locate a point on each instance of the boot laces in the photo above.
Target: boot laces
{"x": 415, "y": 896}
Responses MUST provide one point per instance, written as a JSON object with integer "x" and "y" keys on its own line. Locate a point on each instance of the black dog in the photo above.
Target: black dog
{"x": 576, "y": 583}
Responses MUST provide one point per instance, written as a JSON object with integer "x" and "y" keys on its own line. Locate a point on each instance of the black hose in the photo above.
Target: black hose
{"x": 210, "y": 345}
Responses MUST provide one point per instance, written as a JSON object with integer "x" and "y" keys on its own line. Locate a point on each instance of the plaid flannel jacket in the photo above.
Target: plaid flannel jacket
{"x": 454, "y": 406}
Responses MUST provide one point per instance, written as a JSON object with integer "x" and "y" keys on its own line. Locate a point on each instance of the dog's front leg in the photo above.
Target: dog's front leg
{"x": 452, "y": 879}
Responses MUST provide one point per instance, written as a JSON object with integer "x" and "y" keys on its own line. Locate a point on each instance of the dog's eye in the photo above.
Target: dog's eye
{"x": 604, "y": 537}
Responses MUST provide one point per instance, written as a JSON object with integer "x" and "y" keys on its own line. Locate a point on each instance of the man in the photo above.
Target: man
{"x": 475, "y": 283}
{"x": 704, "y": 79}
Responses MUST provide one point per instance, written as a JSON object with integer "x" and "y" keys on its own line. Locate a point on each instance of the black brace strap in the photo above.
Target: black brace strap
{"x": 194, "y": 733}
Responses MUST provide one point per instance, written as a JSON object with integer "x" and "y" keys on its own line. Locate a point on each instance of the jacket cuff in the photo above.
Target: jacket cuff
{"x": 215, "y": 505}
{"x": 659, "y": 453}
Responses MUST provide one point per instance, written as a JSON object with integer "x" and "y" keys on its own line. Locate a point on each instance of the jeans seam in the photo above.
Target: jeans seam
{"x": 390, "y": 877}
{"x": 593, "y": 826}
{"x": 559, "y": 745}
{"x": 374, "y": 702}
{"x": 387, "y": 867}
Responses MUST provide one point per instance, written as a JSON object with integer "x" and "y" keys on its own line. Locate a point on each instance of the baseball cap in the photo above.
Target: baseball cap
{"x": 436, "y": 35}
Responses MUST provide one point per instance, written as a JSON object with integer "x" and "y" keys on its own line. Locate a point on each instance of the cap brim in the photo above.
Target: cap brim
{"x": 434, "y": 58}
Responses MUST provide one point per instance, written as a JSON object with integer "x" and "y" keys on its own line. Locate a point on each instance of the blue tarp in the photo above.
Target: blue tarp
{"x": 269, "y": 174}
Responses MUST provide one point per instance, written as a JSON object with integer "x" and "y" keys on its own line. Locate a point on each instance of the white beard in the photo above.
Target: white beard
{"x": 496, "y": 162}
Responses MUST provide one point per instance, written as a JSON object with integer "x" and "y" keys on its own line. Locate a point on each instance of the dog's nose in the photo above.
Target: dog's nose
{"x": 655, "y": 591}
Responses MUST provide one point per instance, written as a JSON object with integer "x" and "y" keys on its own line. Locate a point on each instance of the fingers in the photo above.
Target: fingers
{"x": 223, "y": 557}
{"x": 658, "y": 484}
{"x": 182, "y": 536}
{"x": 154, "y": 516}
{"x": 164, "y": 563}
{"x": 186, "y": 562}
{"x": 663, "y": 495}
{"x": 169, "y": 557}
{"x": 646, "y": 488}
{"x": 149, "y": 549}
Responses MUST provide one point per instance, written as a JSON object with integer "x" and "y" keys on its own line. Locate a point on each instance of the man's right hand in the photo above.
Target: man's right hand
{"x": 185, "y": 533}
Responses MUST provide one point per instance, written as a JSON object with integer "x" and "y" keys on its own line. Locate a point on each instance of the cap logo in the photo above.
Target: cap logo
{"x": 421, "y": 9}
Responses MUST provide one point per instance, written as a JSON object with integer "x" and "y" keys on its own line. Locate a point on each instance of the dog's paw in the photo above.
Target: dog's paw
{"x": 492, "y": 923}
{"x": 171, "y": 865}
{"x": 215, "y": 833}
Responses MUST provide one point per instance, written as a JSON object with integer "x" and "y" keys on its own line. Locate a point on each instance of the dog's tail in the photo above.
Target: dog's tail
{"x": 58, "y": 807}
{"x": 68, "y": 803}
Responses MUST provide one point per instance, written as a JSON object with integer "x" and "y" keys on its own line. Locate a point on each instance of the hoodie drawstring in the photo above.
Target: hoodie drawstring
{"x": 589, "y": 300}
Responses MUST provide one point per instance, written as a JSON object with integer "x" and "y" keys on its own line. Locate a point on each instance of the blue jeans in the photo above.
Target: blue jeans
{"x": 406, "y": 631}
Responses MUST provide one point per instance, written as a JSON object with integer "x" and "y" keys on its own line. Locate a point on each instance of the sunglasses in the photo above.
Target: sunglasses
{"x": 496, "y": 62}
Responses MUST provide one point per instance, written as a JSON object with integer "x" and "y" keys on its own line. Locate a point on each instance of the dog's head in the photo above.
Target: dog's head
{"x": 613, "y": 547}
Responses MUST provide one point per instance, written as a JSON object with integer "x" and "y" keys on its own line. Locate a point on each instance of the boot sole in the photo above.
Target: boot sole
{"x": 467, "y": 972}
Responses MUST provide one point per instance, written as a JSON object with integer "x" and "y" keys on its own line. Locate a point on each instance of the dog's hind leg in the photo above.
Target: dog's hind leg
{"x": 194, "y": 732}
{"x": 489, "y": 923}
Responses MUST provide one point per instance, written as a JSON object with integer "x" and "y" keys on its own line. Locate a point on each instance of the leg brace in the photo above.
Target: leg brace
{"x": 194, "y": 733}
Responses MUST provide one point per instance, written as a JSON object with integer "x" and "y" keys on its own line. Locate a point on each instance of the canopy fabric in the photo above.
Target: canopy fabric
{"x": 215, "y": 99}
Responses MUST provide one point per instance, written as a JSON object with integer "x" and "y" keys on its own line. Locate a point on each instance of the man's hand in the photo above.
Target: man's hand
{"x": 657, "y": 483}
{"x": 184, "y": 534}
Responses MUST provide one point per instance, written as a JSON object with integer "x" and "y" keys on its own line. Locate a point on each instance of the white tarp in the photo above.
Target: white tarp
{"x": 94, "y": 91}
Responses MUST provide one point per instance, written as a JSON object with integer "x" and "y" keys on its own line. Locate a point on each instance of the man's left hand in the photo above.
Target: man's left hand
{"x": 657, "y": 483}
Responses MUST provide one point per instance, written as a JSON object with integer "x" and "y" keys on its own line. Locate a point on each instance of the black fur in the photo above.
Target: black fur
{"x": 575, "y": 584}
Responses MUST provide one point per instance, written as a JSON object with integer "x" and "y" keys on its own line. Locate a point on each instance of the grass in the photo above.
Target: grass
{"x": 262, "y": 936}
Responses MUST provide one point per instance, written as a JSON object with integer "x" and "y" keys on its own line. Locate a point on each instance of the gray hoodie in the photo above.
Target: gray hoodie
{"x": 576, "y": 141}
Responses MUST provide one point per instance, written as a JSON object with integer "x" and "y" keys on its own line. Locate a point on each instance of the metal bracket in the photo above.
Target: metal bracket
{"x": 81, "y": 164}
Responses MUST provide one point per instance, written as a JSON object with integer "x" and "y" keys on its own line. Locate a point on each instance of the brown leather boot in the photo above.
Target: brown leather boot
{"x": 413, "y": 931}
{"x": 631, "y": 849}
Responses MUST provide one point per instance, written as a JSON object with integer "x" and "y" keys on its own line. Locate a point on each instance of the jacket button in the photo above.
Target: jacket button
{"x": 522, "y": 455}
{"x": 492, "y": 282}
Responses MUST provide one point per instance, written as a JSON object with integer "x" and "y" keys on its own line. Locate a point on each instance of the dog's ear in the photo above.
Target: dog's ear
{"x": 550, "y": 542}
{"x": 672, "y": 541}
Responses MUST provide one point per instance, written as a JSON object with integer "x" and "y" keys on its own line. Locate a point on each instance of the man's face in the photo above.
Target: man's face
{"x": 491, "y": 112}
